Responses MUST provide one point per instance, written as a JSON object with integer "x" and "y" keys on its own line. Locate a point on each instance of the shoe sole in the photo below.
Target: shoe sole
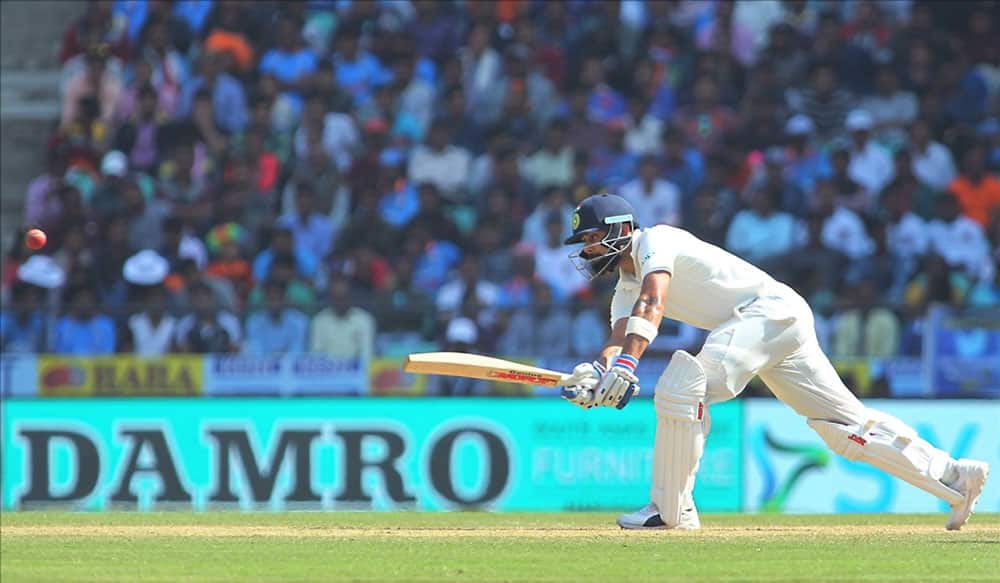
{"x": 631, "y": 527}
{"x": 664, "y": 527}
{"x": 975, "y": 491}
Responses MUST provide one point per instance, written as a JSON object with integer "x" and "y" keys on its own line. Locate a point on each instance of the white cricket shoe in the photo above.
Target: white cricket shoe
{"x": 971, "y": 479}
{"x": 648, "y": 518}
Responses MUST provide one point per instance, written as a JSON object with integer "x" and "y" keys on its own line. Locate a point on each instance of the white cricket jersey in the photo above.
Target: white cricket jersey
{"x": 707, "y": 283}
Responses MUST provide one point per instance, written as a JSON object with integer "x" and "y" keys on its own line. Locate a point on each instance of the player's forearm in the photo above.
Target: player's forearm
{"x": 649, "y": 309}
{"x": 613, "y": 346}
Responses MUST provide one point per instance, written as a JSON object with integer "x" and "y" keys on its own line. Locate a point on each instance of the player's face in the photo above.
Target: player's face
{"x": 592, "y": 244}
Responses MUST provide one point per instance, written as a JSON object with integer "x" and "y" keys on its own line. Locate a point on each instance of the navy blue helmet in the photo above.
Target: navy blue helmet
{"x": 602, "y": 212}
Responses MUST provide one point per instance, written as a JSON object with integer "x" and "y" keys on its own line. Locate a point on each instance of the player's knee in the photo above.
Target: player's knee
{"x": 838, "y": 437}
{"x": 680, "y": 392}
{"x": 849, "y": 439}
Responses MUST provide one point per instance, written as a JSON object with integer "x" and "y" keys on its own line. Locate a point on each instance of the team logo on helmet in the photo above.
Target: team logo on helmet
{"x": 576, "y": 221}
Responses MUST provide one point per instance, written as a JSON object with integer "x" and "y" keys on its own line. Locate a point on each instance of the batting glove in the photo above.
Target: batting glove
{"x": 618, "y": 384}
{"x": 579, "y": 388}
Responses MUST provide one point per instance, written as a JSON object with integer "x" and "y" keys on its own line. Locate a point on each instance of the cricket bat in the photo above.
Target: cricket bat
{"x": 475, "y": 366}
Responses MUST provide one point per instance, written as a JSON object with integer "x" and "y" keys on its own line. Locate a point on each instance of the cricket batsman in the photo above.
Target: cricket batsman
{"x": 758, "y": 326}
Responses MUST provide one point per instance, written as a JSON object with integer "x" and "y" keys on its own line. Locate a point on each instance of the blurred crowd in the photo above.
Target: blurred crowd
{"x": 357, "y": 177}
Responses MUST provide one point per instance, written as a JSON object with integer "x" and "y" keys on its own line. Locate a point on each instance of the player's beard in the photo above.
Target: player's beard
{"x": 594, "y": 266}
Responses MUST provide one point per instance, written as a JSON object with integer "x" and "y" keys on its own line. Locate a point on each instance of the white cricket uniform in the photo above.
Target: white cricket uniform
{"x": 758, "y": 326}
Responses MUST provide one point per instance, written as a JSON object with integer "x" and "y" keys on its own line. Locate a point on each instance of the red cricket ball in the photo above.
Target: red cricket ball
{"x": 35, "y": 239}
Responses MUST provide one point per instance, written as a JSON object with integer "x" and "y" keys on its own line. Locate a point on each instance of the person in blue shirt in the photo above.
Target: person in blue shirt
{"x": 277, "y": 329}
{"x": 357, "y": 71}
{"x": 83, "y": 330}
{"x": 282, "y": 237}
{"x": 229, "y": 101}
{"x": 23, "y": 322}
{"x": 291, "y": 64}
{"x": 312, "y": 231}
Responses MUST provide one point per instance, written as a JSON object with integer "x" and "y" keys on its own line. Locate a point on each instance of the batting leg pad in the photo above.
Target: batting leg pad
{"x": 681, "y": 427}
{"x": 893, "y": 447}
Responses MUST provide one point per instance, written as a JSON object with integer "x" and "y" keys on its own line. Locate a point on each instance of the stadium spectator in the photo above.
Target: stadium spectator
{"x": 165, "y": 42}
{"x": 415, "y": 106}
{"x": 870, "y": 165}
{"x": 824, "y": 100}
{"x": 365, "y": 268}
{"x": 681, "y": 165}
{"x": 936, "y": 283}
{"x": 843, "y": 229}
{"x": 959, "y": 240}
{"x": 277, "y": 329}
{"x": 95, "y": 25}
{"x": 298, "y": 292}
{"x": 849, "y": 192}
{"x": 152, "y": 330}
{"x": 773, "y": 175}
{"x": 906, "y": 234}
{"x": 467, "y": 286}
{"x": 933, "y": 163}
{"x": 434, "y": 215}
{"x": 892, "y": 108}
{"x": 462, "y": 335}
{"x": 230, "y": 32}
{"x": 553, "y": 202}
{"x": 228, "y": 98}
{"x": 74, "y": 254}
{"x": 441, "y": 164}
{"x": 312, "y": 231}
{"x": 84, "y": 330}
{"x": 357, "y": 71}
{"x": 552, "y": 164}
{"x": 806, "y": 163}
{"x": 404, "y": 313}
{"x": 207, "y": 329}
{"x": 289, "y": 62}
{"x": 762, "y": 231}
{"x": 706, "y": 122}
{"x": 653, "y": 198}
{"x": 140, "y": 137}
{"x": 24, "y": 324}
{"x": 497, "y": 259}
{"x": 977, "y": 191}
{"x": 343, "y": 330}
{"x": 482, "y": 70}
{"x": 540, "y": 329}
{"x": 283, "y": 243}
{"x": 226, "y": 243}
{"x": 178, "y": 243}
{"x": 42, "y": 205}
{"x": 552, "y": 266}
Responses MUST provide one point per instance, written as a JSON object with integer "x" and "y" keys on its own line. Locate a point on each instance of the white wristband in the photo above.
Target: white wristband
{"x": 641, "y": 327}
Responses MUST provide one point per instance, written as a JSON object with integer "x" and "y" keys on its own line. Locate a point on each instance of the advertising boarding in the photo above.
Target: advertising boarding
{"x": 344, "y": 454}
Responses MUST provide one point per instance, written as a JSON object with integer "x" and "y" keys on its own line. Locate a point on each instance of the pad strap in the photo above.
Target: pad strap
{"x": 641, "y": 327}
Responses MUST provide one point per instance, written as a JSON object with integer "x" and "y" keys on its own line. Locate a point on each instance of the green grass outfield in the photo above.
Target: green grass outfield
{"x": 483, "y": 547}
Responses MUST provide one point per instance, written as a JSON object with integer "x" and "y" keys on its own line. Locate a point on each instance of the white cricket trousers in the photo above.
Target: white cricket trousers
{"x": 774, "y": 336}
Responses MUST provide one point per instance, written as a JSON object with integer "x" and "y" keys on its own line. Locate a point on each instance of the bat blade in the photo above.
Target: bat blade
{"x": 476, "y": 366}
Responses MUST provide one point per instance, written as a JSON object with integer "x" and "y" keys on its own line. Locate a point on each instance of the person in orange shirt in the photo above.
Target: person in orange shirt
{"x": 977, "y": 191}
{"x": 226, "y": 242}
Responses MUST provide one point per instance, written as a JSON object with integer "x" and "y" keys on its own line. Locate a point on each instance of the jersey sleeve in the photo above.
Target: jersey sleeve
{"x": 655, "y": 251}
{"x": 622, "y": 302}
